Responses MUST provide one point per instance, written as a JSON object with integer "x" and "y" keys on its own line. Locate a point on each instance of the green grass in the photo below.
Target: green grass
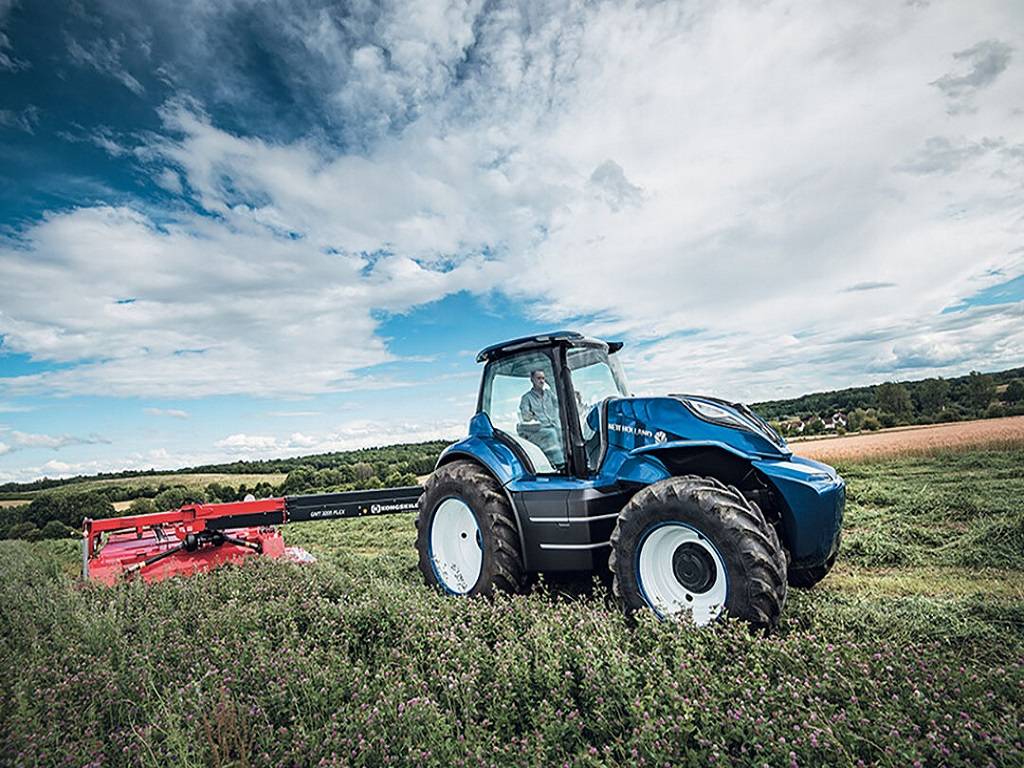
{"x": 911, "y": 650}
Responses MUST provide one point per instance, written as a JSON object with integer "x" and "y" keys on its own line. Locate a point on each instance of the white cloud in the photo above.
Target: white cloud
{"x": 243, "y": 443}
{"x": 347, "y": 437}
{"x": 53, "y": 442}
{"x": 23, "y": 120}
{"x": 734, "y": 184}
{"x": 4, "y": 448}
{"x": 7, "y": 61}
{"x": 104, "y": 56}
{"x": 173, "y": 413}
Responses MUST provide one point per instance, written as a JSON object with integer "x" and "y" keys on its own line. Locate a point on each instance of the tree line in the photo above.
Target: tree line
{"x": 896, "y": 403}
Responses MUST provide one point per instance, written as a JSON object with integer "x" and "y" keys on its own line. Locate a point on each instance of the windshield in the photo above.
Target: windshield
{"x": 596, "y": 375}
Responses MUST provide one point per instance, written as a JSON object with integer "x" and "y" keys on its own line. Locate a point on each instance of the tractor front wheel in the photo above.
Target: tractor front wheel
{"x": 465, "y": 533}
{"x": 693, "y": 546}
{"x": 805, "y": 578}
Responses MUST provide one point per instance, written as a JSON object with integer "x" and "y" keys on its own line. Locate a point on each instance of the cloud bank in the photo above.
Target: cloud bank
{"x": 762, "y": 199}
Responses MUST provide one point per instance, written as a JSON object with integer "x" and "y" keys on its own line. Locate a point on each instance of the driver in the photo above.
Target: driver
{"x": 538, "y": 414}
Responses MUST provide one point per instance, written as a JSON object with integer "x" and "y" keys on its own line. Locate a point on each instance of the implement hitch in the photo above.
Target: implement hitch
{"x": 198, "y": 537}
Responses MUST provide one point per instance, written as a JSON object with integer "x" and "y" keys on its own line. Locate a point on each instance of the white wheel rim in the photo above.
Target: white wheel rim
{"x": 659, "y": 584}
{"x": 455, "y": 547}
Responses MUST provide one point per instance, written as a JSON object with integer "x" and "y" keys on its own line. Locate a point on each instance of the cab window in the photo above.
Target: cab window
{"x": 521, "y": 399}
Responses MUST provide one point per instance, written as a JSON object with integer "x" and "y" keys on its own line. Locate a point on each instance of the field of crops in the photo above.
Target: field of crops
{"x": 901, "y": 441}
{"x": 910, "y": 653}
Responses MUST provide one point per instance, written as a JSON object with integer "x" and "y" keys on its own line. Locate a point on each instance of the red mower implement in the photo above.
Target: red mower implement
{"x": 198, "y": 537}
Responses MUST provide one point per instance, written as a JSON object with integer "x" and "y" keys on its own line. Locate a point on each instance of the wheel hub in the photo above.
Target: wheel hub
{"x": 694, "y": 567}
{"x": 680, "y": 572}
{"x": 456, "y": 546}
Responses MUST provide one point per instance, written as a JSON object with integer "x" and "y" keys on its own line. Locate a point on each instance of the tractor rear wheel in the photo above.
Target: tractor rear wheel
{"x": 805, "y": 578}
{"x": 693, "y": 546}
{"x": 466, "y": 533}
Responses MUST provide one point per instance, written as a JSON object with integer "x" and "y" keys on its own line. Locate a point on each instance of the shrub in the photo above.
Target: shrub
{"x": 57, "y": 530}
{"x": 178, "y": 496}
{"x": 1014, "y": 391}
{"x": 68, "y": 508}
{"x": 142, "y": 506}
{"x": 24, "y": 530}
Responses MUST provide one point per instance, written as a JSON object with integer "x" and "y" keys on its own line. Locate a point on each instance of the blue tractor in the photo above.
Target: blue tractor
{"x": 696, "y": 506}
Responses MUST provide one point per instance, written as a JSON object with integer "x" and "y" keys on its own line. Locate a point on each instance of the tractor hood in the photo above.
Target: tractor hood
{"x": 639, "y": 422}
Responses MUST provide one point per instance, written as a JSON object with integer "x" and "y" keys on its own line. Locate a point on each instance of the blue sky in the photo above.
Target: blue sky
{"x": 238, "y": 229}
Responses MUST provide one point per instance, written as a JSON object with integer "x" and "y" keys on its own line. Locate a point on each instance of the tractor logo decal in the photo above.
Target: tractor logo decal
{"x": 400, "y": 506}
{"x": 629, "y": 429}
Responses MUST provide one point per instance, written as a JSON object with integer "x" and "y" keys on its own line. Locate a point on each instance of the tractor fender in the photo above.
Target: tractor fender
{"x": 497, "y": 459}
{"x": 707, "y": 458}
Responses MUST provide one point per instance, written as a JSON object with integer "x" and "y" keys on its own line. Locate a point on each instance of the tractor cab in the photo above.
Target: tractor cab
{"x": 543, "y": 397}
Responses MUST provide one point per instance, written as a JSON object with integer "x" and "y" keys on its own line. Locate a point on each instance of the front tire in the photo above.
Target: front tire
{"x": 693, "y": 546}
{"x": 805, "y": 578}
{"x": 465, "y": 533}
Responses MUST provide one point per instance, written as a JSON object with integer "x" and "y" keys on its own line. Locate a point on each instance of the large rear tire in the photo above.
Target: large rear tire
{"x": 693, "y": 546}
{"x": 466, "y": 534}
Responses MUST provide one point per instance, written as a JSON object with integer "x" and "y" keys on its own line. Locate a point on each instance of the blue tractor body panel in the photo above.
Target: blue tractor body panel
{"x": 812, "y": 516}
{"x": 484, "y": 447}
{"x": 566, "y": 519}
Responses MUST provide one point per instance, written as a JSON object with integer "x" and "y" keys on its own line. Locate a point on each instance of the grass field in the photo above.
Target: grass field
{"x": 910, "y": 652}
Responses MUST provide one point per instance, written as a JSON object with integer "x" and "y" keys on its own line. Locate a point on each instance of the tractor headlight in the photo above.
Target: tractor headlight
{"x": 716, "y": 414}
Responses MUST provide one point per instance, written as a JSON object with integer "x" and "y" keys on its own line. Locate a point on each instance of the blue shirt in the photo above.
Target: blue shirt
{"x": 542, "y": 407}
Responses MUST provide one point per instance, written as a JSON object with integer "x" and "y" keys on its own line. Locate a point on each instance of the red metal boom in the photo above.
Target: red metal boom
{"x": 197, "y": 537}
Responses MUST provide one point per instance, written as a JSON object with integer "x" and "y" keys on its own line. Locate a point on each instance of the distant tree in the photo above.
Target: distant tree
{"x": 894, "y": 398}
{"x": 26, "y": 531}
{"x": 299, "y": 480}
{"x": 264, "y": 490}
{"x": 55, "y": 529}
{"x": 1014, "y": 391}
{"x": 178, "y": 496}
{"x": 932, "y": 395}
{"x": 362, "y": 471}
{"x": 329, "y": 478}
{"x": 871, "y": 421}
{"x": 68, "y": 508}
{"x": 980, "y": 389}
{"x": 399, "y": 479}
{"x": 142, "y": 506}
{"x": 995, "y": 411}
{"x": 856, "y": 419}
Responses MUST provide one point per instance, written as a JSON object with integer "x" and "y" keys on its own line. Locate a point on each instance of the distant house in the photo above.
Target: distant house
{"x": 838, "y": 421}
{"x": 792, "y": 426}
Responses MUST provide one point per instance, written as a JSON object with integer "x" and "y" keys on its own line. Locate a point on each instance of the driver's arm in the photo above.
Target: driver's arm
{"x": 526, "y": 410}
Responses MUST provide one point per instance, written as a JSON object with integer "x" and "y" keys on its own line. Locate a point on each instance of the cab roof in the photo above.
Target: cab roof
{"x": 566, "y": 338}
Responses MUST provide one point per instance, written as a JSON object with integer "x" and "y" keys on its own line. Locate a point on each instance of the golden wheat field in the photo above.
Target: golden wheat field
{"x": 914, "y": 440}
